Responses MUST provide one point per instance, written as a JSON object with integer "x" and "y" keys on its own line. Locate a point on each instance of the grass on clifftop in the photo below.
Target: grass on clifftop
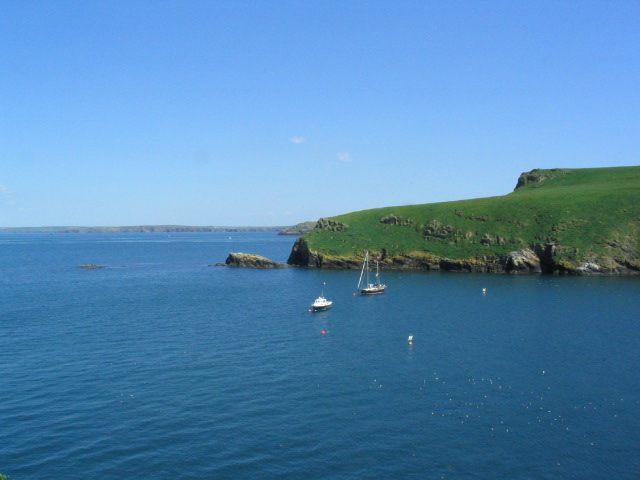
{"x": 585, "y": 211}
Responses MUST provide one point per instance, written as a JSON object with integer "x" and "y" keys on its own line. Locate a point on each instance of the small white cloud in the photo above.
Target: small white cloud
{"x": 345, "y": 157}
{"x": 297, "y": 140}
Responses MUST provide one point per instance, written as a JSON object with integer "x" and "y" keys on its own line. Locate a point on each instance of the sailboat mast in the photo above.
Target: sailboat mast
{"x": 367, "y": 262}
{"x": 364, "y": 265}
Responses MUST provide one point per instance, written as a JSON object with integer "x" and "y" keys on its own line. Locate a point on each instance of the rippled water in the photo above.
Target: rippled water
{"x": 161, "y": 366}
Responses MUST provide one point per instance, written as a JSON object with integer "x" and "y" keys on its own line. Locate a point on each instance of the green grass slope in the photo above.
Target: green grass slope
{"x": 578, "y": 216}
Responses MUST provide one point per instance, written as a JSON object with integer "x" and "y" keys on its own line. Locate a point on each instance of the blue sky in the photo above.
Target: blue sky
{"x": 275, "y": 112}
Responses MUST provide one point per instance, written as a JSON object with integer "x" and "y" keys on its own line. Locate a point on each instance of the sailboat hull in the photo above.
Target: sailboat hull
{"x": 373, "y": 290}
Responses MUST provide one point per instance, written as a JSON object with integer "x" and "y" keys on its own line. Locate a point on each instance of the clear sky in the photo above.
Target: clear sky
{"x": 242, "y": 112}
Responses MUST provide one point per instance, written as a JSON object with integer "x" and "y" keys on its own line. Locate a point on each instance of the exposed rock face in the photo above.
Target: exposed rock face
{"x": 546, "y": 254}
{"x": 540, "y": 258}
{"x": 301, "y": 255}
{"x": 331, "y": 225}
{"x": 392, "y": 219}
{"x": 436, "y": 229}
{"x": 523, "y": 261}
{"x": 538, "y": 176}
{"x": 250, "y": 261}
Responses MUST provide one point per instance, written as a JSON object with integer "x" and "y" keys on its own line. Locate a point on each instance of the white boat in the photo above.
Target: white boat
{"x": 321, "y": 303}
{"x": 366, "y": 287}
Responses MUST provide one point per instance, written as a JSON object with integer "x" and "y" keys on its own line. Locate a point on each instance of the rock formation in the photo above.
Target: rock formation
{"x": 250, "y": 261}
{"x": 542, "y": 258}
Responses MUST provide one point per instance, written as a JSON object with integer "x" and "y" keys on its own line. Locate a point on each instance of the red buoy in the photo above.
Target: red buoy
{"x": 323, "y": 332}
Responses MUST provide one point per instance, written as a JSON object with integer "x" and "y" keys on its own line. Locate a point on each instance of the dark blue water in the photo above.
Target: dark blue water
{"x": 161, "y": 366}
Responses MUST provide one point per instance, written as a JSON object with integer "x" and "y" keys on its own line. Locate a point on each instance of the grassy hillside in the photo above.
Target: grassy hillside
{"x": 588, "y": 214}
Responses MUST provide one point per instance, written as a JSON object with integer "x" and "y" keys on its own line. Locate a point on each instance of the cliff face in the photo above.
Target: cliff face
{"x": 541, "y": 259}
{"x": 560, "y": 221}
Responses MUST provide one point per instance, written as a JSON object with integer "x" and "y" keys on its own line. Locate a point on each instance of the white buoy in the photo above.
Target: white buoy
{"x": 484, "y": 291}
{"x": 410, "y": 339}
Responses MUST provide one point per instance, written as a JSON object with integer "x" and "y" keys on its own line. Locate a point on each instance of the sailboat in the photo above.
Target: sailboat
{"x": 368, "y": 288}
{"x": 321, "y": 303}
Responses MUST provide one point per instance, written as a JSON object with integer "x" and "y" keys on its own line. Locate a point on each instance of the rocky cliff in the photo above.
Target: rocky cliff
{"x": 539, "y": 259}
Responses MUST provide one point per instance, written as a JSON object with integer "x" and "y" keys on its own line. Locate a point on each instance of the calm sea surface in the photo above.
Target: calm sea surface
{"x": 161, "y": 366}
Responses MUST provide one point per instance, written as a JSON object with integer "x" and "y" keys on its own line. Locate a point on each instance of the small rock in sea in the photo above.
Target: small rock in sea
{"x": 250, "y": 261}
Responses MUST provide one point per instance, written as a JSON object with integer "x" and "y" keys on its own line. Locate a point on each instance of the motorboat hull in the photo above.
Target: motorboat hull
{"x": 321, "y": 308}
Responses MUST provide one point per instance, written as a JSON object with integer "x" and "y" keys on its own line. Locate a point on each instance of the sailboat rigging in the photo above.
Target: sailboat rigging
{"x": 368, "y": 288}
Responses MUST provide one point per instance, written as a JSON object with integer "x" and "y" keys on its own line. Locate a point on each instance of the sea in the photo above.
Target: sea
{"x": 164, "y": 366}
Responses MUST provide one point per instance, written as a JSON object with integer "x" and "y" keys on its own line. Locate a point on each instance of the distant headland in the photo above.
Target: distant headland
{"x": 143, "y": 229}
{"x": 299, "y": 229}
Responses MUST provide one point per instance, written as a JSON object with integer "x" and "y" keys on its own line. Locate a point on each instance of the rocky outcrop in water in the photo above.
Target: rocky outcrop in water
{"x": 248, "y": 260}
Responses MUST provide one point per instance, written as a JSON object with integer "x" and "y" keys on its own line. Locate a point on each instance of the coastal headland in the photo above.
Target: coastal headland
{"x": 558, "y": 221}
